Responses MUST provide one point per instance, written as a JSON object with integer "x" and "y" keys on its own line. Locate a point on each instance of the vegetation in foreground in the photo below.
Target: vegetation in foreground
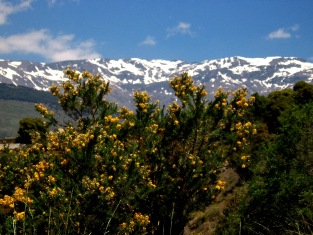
{"x": 278, "y": 195}
{"x": 113, "y": 171}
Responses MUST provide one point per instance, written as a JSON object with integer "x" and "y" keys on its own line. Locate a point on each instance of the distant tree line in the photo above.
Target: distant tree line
{"x": 21, "y": 93}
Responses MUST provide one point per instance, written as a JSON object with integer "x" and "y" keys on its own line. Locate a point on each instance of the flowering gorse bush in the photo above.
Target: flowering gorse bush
{"x": 112, "y": 170}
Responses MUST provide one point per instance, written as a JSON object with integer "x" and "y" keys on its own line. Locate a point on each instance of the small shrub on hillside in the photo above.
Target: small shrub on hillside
{"x": 28, "y": 126}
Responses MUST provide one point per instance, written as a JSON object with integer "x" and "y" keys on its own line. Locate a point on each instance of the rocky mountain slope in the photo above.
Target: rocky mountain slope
{"x": 261, "y": 75}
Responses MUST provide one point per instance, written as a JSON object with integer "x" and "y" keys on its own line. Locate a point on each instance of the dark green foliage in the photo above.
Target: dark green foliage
{"x": 20, "y": 93}
{"x": 303, "y": 92}
{"x": 280, "y": 192}
{"x": 259, "y": 108}
{"x": 269, "y": 109}
{"x": 278, "y": 102}
{"x": 29, "y": 126}
{"x": 283, "y": 176}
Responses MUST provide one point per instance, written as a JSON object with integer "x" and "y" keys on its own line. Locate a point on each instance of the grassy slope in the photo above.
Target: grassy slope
{"x": 206, "y": 222}
{"x": 11, "y": 112}
{"x": 17, "y": 102}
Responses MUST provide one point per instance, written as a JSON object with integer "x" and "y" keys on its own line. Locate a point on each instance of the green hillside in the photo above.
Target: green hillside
{"x": 17, "y": 102}
{"x": 11, "y": 112}
{"x": 20, "y": 93}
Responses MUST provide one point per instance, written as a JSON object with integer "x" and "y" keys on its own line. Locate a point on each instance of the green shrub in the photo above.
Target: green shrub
{"x": 112, "y": 170}
{"x": 279, "y": 196}
{"x": 28, "y": 126}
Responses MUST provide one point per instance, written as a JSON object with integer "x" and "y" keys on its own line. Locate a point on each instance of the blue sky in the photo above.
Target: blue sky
{"x": 189, "y": 30}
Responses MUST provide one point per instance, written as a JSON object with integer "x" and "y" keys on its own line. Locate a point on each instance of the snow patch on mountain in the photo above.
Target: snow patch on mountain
{"x": 261, "y": 75}
{"x": 15, "y": 63}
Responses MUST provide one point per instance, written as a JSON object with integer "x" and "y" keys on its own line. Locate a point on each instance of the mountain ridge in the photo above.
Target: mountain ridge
{"x": 262, "y": 75}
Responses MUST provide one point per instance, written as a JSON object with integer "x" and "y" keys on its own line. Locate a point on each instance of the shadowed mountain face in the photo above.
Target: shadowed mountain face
{"x": 261, "y": 75}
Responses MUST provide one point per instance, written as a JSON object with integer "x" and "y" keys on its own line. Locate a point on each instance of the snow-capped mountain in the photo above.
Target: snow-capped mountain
{"x": 261, "y": 75}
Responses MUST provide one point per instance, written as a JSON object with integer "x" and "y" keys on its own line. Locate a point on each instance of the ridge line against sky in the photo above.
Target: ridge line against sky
{"x": 57, "y": 30}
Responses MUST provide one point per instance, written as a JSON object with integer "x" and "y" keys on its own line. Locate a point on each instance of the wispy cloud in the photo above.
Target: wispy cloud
{"x": 53, "y": 2}
{"x": 41, "y": 42}
{"x": 180, "y": 28}
{"x": 283, "y": 33}
{"x": 149, "y": 41}
{"x": 295, "y": 27}
{"x": 7, "y": 9}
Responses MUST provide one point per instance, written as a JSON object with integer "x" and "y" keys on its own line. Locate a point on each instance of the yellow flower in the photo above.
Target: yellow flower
{"x": 220, "y": 185}
{"x": 7, "y": 201}
{"x": 111, "y": 194}
{"x": 101, "y": 189}
{"x": 203, "y": 93}
{"x": 51, "y": 179}
{"x": 52, "y": 192}
{"x": 123, "y": 225}
{"x": 152, "y": 185}
{"x": 132, "y": 223}
{"x": 20, "y": 216}
{"x": 248, "y": 124}
{"x": 239, "y": 103}
{"x": 36, "y": 176}
{"x": 252, "y": 99}
{"x": 64, "y": 162}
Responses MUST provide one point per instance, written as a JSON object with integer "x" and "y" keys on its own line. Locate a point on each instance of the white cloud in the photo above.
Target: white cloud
{"x": 149, "y": 41}
{"x": 7, "y": 9}
{"x": 279, "y": 33}
{"x": 283, "y": 33}
{"x": 181, "y": 28}
{"x": 41, "y": 42}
